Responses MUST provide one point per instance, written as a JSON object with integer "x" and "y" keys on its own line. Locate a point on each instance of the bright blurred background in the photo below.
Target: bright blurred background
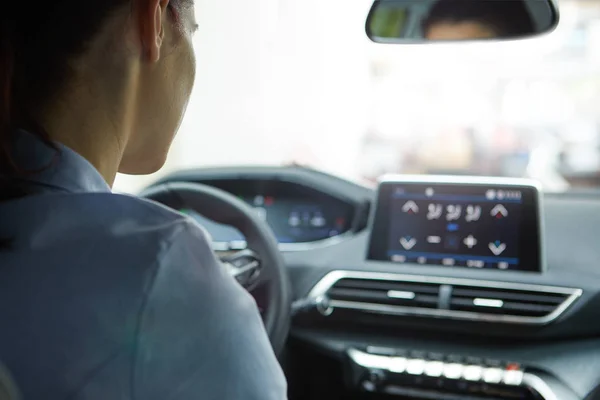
{"x": 289, "y": 81}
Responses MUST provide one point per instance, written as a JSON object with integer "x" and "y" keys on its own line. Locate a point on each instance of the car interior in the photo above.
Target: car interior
{"x": 431, "y": 286}
{"x": 421, "y": 287}
{"x": 418, "y": 323}
{"x": 8, "y": 390}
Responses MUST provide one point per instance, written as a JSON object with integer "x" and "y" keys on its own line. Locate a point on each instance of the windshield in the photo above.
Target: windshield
{"x": 282, "y": 82}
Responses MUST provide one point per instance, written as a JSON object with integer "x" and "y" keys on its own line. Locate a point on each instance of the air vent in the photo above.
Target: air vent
{"x": 361, "y": 292}
{"x": 462, "y": 299}
{"x": 510, "y": 302}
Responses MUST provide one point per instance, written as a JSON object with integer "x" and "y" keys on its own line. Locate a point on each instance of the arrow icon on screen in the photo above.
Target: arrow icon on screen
{"x": 408, "y": 242}
{"x": 499, "y": 212}
{"x": 497, "y": 248}
{"x": 410, "y": 207}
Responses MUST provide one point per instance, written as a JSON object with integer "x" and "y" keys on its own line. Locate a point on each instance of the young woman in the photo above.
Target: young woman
{"x": 105, "y": 296}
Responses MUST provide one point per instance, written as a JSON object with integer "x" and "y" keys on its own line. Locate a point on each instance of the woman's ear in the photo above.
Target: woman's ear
{"x": 152, "y": 18}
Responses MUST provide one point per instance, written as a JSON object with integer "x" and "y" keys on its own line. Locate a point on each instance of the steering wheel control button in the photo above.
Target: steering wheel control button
{"x": 472, "y": 373}
{"x": 244, "y": 266}
{"x": 513, "y": 378}
{"x": 434, "y": 369}
{"x": 398, "y": 365}
{"x": 493, "y": 375}
{"x": 453, "y": 371}
{"x": 415, "y": 367}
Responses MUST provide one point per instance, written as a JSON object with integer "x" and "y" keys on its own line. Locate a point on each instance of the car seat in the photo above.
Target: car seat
{"x": 8, "y": 390}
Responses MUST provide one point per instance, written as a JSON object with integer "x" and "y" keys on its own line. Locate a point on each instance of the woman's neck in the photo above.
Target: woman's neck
{"x": 94, "y": 120}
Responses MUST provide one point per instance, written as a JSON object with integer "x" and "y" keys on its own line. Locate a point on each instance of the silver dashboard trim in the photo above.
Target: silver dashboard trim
{"x": 327, "y": 282}
{"x": 373, "y": 361}
{"x": 537, "y": 384}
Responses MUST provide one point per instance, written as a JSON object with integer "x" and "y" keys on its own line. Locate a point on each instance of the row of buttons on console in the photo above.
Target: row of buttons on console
{"x": 511, "y": 375}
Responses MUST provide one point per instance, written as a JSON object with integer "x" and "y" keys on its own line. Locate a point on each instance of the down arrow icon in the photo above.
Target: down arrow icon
{"x": 408, "y": 242}
{"x": 497, "y": 248}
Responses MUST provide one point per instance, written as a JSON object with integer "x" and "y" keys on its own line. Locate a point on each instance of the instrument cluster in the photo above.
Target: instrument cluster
{"x": 297, "y": 215}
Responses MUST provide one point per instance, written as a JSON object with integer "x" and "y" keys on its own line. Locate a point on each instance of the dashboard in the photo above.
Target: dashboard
{"x": 297, "y": 215}
{"x": 447, "y": 296}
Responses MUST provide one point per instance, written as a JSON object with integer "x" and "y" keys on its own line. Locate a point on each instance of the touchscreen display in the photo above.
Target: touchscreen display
{"x": 458, "y": 225}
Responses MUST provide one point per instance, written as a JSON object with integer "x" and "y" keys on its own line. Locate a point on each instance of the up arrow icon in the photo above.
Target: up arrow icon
{"x": 499, "y": 212}
{"x": 410, "y": 207}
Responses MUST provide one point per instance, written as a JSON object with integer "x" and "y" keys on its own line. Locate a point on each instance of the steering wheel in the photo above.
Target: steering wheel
{"x": 261, "y": 265}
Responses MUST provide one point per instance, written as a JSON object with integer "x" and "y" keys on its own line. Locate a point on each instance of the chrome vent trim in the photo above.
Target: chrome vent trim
{"x": 383, "y": 293}
{"x": 322, "y": 288}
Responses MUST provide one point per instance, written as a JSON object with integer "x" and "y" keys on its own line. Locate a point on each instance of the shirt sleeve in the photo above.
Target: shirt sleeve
{"x": 200, "y": 333}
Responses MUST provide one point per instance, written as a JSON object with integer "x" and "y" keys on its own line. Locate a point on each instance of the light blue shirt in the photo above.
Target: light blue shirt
{"x": 112, "y": 297}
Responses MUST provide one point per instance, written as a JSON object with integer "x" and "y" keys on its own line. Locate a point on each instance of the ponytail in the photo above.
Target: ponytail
{"x": 7, "y": 60}
{"x": 6, "y": 78}
{"x": 10, "y": 188}
{"x": 12, "y": 116}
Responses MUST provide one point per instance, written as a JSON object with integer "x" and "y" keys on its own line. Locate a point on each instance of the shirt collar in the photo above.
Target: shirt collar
{"x": 63, "y": 170}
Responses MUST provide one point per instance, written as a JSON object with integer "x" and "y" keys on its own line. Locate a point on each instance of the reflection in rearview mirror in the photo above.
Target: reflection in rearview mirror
{"x": 410, "y": 21}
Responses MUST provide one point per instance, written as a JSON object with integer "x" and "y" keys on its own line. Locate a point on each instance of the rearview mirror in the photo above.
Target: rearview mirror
{"x": 418, "y": 21}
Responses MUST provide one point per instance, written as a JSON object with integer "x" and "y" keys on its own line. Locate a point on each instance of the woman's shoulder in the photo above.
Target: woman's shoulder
{"x": 151, "y": 213}
{"x": 102, "y": 217}
{"x": 144, "y": 208}
{"x": 147, "y": 214}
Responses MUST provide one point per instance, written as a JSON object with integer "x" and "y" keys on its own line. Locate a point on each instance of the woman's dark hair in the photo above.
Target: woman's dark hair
{"x": 508, "y": 18}
{"x": 38, "y": 40}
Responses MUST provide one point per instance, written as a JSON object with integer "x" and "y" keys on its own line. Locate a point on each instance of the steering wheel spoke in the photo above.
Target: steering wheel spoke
{"x": 245, "y": 266}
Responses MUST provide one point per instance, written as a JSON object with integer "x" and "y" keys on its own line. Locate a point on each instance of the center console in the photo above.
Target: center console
{"x": 451, "y": 223}
{"x": 420, "y": 375}
{"x": 437, "y": 253}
